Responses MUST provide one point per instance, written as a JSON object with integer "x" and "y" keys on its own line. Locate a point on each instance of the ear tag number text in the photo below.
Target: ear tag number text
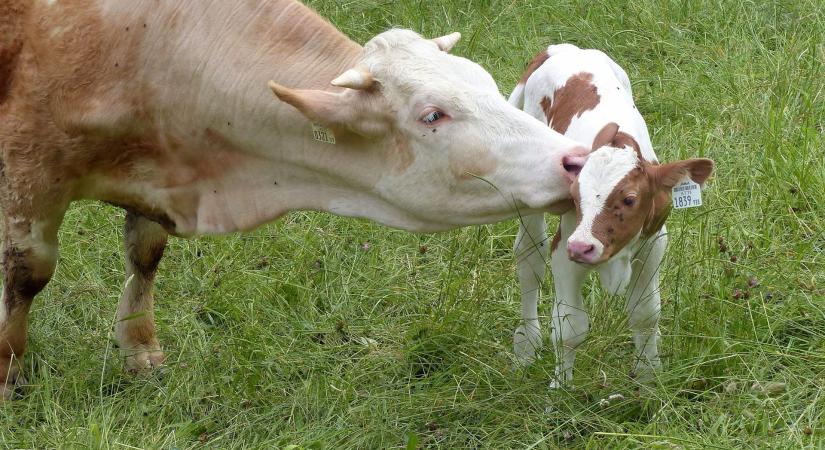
{"x": 687, "y": 194}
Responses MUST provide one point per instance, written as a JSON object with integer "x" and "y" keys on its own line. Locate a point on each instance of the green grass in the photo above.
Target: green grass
{"x": 265, "y": 332}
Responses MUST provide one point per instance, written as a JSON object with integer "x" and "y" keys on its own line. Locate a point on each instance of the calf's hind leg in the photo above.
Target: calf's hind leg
{"x": 145, "y": 242}
{"x": 29, "y": 258}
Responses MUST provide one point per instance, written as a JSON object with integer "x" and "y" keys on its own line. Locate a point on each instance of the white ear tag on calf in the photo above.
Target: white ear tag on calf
{"x": 687, "y": 194}
{"x": 323, "y": 134}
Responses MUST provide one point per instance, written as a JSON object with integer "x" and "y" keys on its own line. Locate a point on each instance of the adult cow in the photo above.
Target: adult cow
{"x": 162, "y": 107}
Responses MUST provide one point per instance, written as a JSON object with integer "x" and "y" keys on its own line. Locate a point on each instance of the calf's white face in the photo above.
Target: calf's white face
{"x": 466, "y": 155}
{"x": 619, "y": 198}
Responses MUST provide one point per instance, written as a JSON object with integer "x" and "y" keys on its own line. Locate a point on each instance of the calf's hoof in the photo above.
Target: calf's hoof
{"x": 644, "y": 375}
{"x": 526, "y": 343}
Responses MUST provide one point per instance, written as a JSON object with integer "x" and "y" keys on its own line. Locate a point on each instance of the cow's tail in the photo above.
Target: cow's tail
{"x": 12, "y": 13}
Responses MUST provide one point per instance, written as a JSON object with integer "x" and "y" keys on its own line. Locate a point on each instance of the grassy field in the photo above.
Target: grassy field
{"x": 323, "y": 332}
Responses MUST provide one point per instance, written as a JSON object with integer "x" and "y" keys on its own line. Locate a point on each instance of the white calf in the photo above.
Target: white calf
{"x": 622, "y": 198}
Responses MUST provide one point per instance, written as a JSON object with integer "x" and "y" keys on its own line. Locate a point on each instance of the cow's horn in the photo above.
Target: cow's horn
{"x": 354, "y": 79}
{"x": 446, "y": 43}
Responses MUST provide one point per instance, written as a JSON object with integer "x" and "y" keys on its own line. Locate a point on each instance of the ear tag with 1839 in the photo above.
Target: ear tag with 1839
{"x": 687, "y": 194}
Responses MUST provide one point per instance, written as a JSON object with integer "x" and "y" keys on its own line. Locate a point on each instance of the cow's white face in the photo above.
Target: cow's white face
{"x": 619, "y": 197}
{"x": 465, "y": 155}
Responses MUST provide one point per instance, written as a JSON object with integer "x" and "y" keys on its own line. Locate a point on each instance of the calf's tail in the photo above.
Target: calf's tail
{"x": 517, "y": 96}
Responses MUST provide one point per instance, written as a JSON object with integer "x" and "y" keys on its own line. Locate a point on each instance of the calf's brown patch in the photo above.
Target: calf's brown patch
{"x": 659, "y": 211}
{"x": 578, "y": 95}
{"x": 618, "y": 223}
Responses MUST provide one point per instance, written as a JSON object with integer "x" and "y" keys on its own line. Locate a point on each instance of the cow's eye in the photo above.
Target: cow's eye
{"x": 432, "y": 116}
{"x": 630, "y": 201}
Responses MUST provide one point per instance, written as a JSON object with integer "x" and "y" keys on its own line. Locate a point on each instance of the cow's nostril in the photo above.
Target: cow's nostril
{"x": 589, "y": 249}
{"x": 573, "y": 165}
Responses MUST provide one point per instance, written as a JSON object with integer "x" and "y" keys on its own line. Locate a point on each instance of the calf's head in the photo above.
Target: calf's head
{"x": 453, "y": 151}
{"x": 620, "y": 198}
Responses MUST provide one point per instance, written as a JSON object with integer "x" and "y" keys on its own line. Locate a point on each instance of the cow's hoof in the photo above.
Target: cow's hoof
{"x": 143, "y": 360}
{"x": 12, "y": 389}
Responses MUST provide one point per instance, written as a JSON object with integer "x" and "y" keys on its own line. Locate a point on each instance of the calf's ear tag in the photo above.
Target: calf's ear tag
{"x": 323, "y": 134}
{"x": 687, "y": 194}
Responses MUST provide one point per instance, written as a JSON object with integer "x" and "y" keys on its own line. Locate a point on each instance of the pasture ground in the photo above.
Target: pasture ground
{"x": 324, "y": 332}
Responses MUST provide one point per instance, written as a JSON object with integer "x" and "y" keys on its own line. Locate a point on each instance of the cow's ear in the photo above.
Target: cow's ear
{"x": 446, "y": 43}
{"x": 355, "y": 110}
{"x": 668, "y": 175}
{"x": 319, "y": 106}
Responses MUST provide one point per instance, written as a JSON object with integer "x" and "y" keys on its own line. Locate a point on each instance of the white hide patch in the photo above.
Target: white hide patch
{"x": 604, "y": 169}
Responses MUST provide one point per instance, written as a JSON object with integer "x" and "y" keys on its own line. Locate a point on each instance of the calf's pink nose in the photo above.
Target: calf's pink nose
{"x": 581, "y": 251}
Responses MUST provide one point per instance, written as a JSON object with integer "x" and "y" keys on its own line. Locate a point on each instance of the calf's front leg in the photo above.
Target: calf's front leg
{"x": 569, "y": 320}
{"x": 644, "y": 305}
{"x": 145, "y": 242}
{"x": 531, "y": 256}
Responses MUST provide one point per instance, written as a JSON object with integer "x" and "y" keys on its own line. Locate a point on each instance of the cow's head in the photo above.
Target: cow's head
{"x": 467, "y": 156}
{"x": 620, "y": 197}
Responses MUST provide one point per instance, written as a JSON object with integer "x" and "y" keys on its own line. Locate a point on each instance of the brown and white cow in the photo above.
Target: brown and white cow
{"x": 162, "y": 107}
{"x": 622, "y": 197}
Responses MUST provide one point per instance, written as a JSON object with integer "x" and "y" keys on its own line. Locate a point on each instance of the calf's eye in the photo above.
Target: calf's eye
{"x": 630, "y": 201}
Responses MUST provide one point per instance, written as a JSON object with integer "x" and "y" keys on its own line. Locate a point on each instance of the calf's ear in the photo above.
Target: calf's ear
{"x": 666, "y": 176}
{"x": 605, "y": 136}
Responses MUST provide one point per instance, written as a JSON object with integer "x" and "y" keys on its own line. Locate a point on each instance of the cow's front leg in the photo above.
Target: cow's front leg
{"x": 531, "y": 256}
{"x": 29, "y": 258}
{"x": 145, "y": 242}
{"x": 569, "y": 320}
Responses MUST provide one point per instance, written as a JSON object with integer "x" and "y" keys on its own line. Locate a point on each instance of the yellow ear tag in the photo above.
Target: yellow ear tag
{"x": 323, "y": 134}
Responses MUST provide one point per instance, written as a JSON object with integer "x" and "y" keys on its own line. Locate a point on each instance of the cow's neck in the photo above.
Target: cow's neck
{"x": 300, "y": 48}
{"x": 237, "y": 156}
